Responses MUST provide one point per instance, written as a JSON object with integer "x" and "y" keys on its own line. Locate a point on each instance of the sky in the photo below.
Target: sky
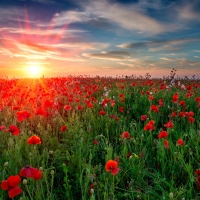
{"x": 99, "y": 37}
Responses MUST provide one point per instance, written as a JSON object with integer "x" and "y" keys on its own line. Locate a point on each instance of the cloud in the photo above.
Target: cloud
{"x": 197, "y": 56}
{"x": 159, "y": 45}
{"x": 83, "y": 45}
{"x": 112, "y": 56}
{"x": 188, "y": 12}
{"x": 197, "y": 51}
{"x": 104, "y": 13}
{"x": 166, "y": 59}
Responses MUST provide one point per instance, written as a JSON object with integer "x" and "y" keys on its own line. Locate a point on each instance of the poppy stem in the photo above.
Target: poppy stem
{"x": 113, "y": 190}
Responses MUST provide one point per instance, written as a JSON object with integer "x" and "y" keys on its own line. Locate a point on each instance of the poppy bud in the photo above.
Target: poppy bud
{"x": 52, "y": 172}
{"x": 92, "y": 191}
{"x": 25, "y": 182}
{"x": 40, "y": 168}
{"x": 5, "y": 164}
{"x": 51, "y": 152}
{"x": 171, "y": 195}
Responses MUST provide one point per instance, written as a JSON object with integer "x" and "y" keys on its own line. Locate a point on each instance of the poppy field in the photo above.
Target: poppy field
{"x": 103, "y": 138}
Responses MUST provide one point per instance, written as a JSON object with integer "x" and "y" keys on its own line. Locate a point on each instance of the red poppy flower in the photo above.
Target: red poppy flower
{"x": 143, "y": 117}
{"x": 148, "y": 127}
{"x": 101, "y": 112}
{"x": 126, "y": 135}
{"x": 112, "y": 166}
{"x": 169, "y": 124}
{"x": 22, "y": 115}
{"x": 197, "y": 172}
{"x": 182, "y": 103}
{"x": 63, "y": 128}
{"x": 152, "y": 122}
{"x": 154, "y": 108}
{"x": 89, "y": 105}
{"x": 14, "y": 130}
{"x": 34, "y": 140}
{"x": 31, "y": 172}
{"x": 2, "y": 128}
{"x": 173, "y": 114}
{"x": 175, "y": 98}
{"x": 121, "y": 109}
{"x": 161, "y": 102}
{"x": 67, "y": 107}
{"x": 180, "y": 142}
{"x": 11, "y": 184}
{"x": 79, "y": 107}
{"x": 151, "y": 98}
{"x": 191, "y": 120}
{"x": 163, "y": 134}
{"x": 190, "y": 114}
{"x": 95, "y": 142}
{"x": 166, "y": 144}
{"x": 41, "y": 111}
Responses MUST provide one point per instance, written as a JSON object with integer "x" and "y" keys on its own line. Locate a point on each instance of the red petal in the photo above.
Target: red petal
{"x": 115, "y": 171}
{"x": 37, "y": 175}
{"x": 14, "y": 191}
{"x": 4, "y": 185}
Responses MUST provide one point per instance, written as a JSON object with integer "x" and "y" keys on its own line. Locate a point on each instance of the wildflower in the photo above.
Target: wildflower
{"x": 48, "y": 104}
{"x": 163, "y": 134}
{"x": 121, "y": 109}
{"x": 89, "y": 105}
{"x": 180, "y": 142}
{"x": 182, "y": 103}
{"x": 173, "y": 114}
{"x": 161, "y": 102}
{"x": 175, "y": 98}
{"x": 166, "y": 144}
{"x": 68, "y": 107}
{"x": 197, "y": 172}
{"x": 63, "y": 128}
{"x": 41, "y": 111}
{"x": 191, "y": 114}
{"x": 34, "y": 140}
{"x": 22, "y": 115}
{"x": 95, "y": 142}
{"x": 148, "y": 127}
{"x": 126, "y": 135}
{"x": 2, "y": 128}
{"x": 143, "y": 117}
{"x": 79, "y": 107}
{"x": 169, "y": 124}
{"x": 31, "y": 172}
{"x": 154, "y": 108}
{"x": 151, "y": 98}
{"x": 11, "y": 184}
{"x": 101, "y": 112}
{"x": 14, "y": 130}
{"x": 111, "y": 166}
{"x": 191, "y": 120}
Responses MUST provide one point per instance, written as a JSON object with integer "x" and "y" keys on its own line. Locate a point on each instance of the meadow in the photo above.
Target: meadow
{"x": 100, "y": 138}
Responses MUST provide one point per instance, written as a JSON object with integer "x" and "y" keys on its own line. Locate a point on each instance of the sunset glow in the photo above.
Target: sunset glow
{"x": 98, "y": 37}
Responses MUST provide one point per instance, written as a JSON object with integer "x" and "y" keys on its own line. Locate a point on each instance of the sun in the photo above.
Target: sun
{"x": 34, "y": 70}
